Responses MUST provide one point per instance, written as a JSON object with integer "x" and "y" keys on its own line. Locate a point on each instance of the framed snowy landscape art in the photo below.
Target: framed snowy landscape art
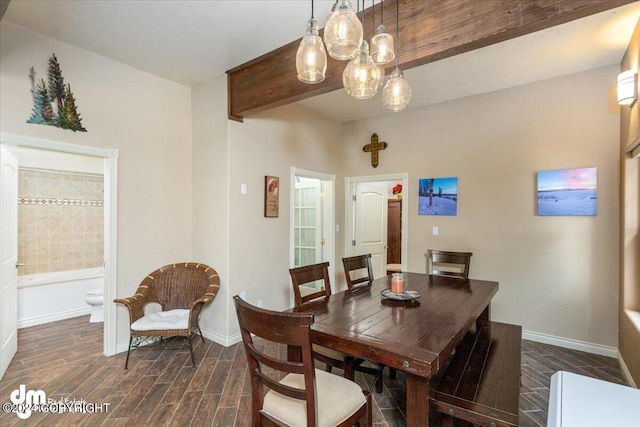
{"x": 568, "y": 192}
{"x": 438, "y": 196}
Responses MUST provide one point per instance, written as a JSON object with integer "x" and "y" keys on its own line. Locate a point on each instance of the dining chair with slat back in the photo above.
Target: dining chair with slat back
{"x": 301, "y": 277}
{"x": 357, "y": 265}
{"x": 448, "y": 263}
{"x": 360, "y": 264}
{"x": 305, "y": 395}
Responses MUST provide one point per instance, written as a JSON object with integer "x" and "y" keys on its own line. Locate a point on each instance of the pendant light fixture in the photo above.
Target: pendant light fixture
{"x": 311, "y": 58}
{"x": 343, "y": 32}
{"x": 382, "y": 50}
{"x": 362, "y": 78}
{"x": 396, "y": 94}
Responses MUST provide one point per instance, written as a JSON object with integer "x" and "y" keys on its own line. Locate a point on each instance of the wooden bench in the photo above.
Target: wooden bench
{"x": 482, "y": 381}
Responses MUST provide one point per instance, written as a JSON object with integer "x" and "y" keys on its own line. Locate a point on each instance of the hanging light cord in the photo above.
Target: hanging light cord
{"x": 373, "y": 16}
{"x": 311, "y": 9}
{"x": 397, "y": 31}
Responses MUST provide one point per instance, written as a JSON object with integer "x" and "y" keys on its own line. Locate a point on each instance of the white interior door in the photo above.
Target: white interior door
{"x": 312, "y": 220}
{"x": 308, "y": 241}
{"x": 370, "y": 228}
{"x": 9, "y": 257}
{"x": 308, "y": 212}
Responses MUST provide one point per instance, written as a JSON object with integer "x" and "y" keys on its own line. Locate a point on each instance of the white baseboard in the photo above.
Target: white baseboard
{"x": 122, "y": 347}
{"x": 625, "y": 371}
{"x": 40, "y": 320}
{"x": 221, "y": 339}
{"x": 588, "y": 347}
{"x": 208, "y": 334}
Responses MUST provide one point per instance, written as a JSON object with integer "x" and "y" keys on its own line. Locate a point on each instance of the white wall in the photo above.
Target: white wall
{"x": 231, "y": 234}
{"x": 558, "y": 275}
{"x": 271, "y": 143}
{"x": 146, "y": 117}
{"x": 41, "y": 159}
{"x": 211, "y": 200}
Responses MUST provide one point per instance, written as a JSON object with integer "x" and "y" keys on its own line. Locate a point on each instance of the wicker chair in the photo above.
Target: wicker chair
{"x": 181, "y": 290}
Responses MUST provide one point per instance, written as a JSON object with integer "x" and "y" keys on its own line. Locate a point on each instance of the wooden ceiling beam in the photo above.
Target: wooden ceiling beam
{"x": 4, "y": 4}
{"x": 429, "y": 31}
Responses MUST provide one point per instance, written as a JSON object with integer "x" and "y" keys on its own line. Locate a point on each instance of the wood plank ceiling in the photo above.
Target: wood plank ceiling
{"x": 429, "y": 31}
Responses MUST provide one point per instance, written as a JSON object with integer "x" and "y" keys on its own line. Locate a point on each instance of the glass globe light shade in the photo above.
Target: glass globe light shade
{"x": 362, "y": 77}
{"x": 311, "y": 58}
{"x": 382, "y": 50}
{"x": 380, "y": 78}
{"x": 343, "y": 32}
{"x": 396, "y": 94}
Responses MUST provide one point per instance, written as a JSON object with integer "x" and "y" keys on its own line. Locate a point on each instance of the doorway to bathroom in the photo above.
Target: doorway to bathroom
{"x": 60, "y": 236}
{"x": 65, "y": 236}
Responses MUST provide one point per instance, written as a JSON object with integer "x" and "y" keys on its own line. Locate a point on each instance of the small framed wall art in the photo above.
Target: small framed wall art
{"x": 568, "y": 192}
{"x": 271, "y": 199}
{"x": 438, "y": 196}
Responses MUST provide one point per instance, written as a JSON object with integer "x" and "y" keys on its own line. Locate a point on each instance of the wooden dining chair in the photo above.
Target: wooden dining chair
{"x": 358, "y": 265}
{"x": 302, "y": 279}
{"x": 310, "y": 282}
{"x": 447, "y": 263}
{"x": 305, "y": 395}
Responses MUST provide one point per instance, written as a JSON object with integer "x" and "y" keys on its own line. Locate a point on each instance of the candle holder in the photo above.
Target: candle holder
{"x": 397, "y": 283}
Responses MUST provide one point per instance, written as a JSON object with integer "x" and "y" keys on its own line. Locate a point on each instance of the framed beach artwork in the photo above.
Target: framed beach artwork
{"x": 568, "y": 192}
{"x": 438, "y": 196}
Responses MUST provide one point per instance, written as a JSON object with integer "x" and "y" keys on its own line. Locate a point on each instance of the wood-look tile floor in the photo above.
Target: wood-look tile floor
{"x": 160, "y": 388}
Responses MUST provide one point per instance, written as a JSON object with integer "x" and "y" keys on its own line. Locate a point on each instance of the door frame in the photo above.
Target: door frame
{"x": 329, "y": 216}
{"x": 110, "y": 156}
{"x": 350, "y": 211}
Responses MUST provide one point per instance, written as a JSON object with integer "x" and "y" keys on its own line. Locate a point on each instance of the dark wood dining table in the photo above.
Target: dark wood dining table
{"x": 414, "y": 336}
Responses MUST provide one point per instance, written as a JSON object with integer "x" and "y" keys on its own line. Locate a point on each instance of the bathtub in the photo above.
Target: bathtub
{"x": 47, "y": 297}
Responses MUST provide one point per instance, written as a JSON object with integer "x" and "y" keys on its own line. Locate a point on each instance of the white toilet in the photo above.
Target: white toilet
{"x": 95, "y": 298}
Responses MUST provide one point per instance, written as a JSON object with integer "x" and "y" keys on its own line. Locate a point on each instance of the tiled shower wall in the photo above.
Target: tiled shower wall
{"x": 60, "y": 220}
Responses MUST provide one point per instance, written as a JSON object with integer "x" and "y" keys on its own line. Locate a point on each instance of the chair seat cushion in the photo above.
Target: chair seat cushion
{"x": 394, "y": 267}
{"x": 170, "y": 319}
{"x": 337, "y": 397}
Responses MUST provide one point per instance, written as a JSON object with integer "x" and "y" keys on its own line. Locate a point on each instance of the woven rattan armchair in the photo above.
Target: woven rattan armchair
{"x": 181, "y": 290}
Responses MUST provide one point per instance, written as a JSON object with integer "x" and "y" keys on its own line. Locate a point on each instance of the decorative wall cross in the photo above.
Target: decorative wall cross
{"x": 373, "y": 148}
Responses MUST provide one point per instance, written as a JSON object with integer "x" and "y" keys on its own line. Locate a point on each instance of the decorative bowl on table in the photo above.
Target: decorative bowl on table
{"x": 402, "y": 296}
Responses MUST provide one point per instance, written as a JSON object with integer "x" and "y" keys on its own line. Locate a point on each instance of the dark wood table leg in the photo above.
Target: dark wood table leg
{"x": 417, "y": 401}
{"x": 483, "y": 321}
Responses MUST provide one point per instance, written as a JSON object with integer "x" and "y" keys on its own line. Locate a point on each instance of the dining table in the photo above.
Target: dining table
{"x": 415, "y": 335}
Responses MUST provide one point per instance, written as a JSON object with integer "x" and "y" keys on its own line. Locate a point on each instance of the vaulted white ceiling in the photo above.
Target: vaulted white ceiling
{"x": 191, "y": 42}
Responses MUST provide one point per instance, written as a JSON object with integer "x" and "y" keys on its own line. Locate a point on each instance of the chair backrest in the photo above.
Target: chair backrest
{"x": 357, "y": 263}
{"x": 301, "y": 276}
{"x": 179, "y": 285}
{"x": 446, "y": 263}
{"x": 292, "y": 329}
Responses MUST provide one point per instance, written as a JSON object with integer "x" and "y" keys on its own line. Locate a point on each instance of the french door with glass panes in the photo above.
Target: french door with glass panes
{"x": 308, "y": 224}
